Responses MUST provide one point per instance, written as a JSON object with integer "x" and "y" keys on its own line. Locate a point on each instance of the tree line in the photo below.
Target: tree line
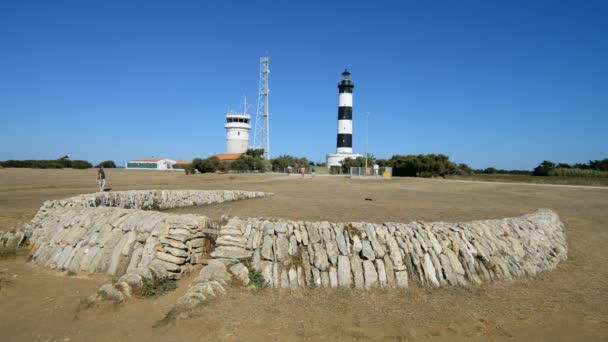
{"x": 60, "y": 163}
{"x": 594, "y": 168}
{"x": 251, "y": 161}
{"x": 421, "y": 165}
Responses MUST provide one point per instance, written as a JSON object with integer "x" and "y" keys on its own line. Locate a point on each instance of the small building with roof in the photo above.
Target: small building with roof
{"x": 152, "y": 164}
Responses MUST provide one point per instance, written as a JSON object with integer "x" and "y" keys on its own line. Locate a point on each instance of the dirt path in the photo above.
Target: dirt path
{"x": 570, "y": 303}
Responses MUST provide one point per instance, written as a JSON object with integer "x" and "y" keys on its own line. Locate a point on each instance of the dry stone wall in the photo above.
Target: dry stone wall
{"x": 365, "y": 255}
{"x": 117, "y": 241}
{"x": 97, "y": 233}
{"x": 120, "y": 233}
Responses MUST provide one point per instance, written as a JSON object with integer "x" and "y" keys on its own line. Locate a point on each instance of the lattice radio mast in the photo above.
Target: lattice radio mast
{"x": 261, "y": 137}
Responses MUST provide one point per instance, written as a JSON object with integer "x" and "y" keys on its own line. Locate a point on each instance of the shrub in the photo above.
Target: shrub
{"x": 255, "y": 277}
{"x": 81, "y": 164}
{"x": 543, "y": 168}
{"x": 155, "y": 287}
{"x": 188, "y": 168}
{"x": 281, "y": 163}
{"x": 211, "y": 164}
{"x": 108, "y": 164}
{"x": 422, "y": 165}
{"x": 573, "y": 172}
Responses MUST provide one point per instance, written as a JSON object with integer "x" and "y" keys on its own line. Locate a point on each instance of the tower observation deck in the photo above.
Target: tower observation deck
{"x": 237, "y": 127}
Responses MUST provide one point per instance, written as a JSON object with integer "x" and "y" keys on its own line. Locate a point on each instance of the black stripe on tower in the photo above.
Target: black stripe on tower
{"x": 345, "y": 140}
{"x": 345, "y": 113}
{"x": 346, "y": 86}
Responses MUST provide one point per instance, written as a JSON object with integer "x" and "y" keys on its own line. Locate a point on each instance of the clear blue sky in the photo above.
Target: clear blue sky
{"x": 504, "y": 84}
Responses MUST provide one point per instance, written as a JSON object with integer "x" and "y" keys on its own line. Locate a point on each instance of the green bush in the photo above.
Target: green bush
{"x": 281, "y": 163}
{"x": 255, "y": 277}
{"x": 356, "y": 162}
{"x": 188, "y": 168}
{"x": 422, "y": 165}
{"x": 81, "y": 164}
{"x": 209, "y": 165}
{"x": 155, "y": 287}
{"x": 573, "y": 172}
{"x": 107, "y": 164}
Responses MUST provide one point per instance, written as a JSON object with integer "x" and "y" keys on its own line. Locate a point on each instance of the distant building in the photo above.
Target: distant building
{"x": 237, "y": 127}
{"x": 152, "y": 164}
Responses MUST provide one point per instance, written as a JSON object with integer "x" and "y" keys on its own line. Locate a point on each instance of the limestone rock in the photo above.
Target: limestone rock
{"x": 401, "y": 279}
{"x": 109, "y": 292}
{"x": 320, "y": 259}
{"x": 231, "y": 252}
{"x": 325, "y": 279}
{"x": 341, "y": 242}
{"x": 382, "y": 279}
{"x": 357, "y": 269}
{"x": 284, "y": 279}
{"x": 170, "y": 258}
{"x": 293, "y": 278}
{"x": 282, "y": 247}
{"x": 214, "y": 271}
{"x": 357, "y": 246}
{"x": 332, "y": 252}
{"x": 367, "y": 252}
{"x": 390, "y": 272}
{"x": 429, "y": 270}
{"x": 267, "y": 248}
{"x": 241, "y": 273}
{"x": 333, "y": 277}
{"x": 370, "y": 274}
{"x": 344, "y": 276}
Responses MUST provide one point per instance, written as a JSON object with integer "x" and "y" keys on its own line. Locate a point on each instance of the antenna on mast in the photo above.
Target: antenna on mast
{"x": 261, "y": 137}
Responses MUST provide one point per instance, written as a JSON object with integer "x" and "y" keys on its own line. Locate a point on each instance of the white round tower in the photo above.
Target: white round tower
{"x": 237, "y": 126}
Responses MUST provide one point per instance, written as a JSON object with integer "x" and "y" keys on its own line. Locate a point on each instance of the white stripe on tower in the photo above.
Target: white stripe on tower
{"x": 345, "y": 114}
{"x": 345, "y": 100}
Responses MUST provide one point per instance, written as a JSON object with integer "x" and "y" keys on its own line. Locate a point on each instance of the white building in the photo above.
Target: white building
{"x": 237, "y": 132}
{"x": 152, "y": 164}
{"x": 237, "y": 127}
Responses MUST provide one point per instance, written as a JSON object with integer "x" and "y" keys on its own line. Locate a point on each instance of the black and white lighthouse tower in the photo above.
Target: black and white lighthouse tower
{"x": 345, "y": 122}
{"x": 345, "y": 114}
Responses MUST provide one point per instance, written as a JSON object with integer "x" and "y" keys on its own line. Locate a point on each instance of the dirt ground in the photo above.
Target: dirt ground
{"x": 570, "y": 303}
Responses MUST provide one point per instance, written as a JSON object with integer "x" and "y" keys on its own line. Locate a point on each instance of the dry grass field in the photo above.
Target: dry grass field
{"x": 568, "y": 304}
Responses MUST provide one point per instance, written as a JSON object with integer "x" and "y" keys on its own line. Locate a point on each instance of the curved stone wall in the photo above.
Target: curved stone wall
{"x": 97, "y": 233}
{"x": 119, "y": 233}
{"x": 364, "y": 255}
{"x": 358, "y": 254}
{"x": 117, "y": 241}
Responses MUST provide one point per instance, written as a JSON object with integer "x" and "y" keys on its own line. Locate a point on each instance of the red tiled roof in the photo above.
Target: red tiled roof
{"x": 183, "y": 162}
{"x": 227, "y": 156}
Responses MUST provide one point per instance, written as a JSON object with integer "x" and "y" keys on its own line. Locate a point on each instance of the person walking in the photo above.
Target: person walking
{"x": 313, "y": 172}
{"x": 101, "y": 178}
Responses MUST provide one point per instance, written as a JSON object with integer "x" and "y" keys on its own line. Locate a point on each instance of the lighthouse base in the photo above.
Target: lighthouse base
{"x": 334, "y": 159}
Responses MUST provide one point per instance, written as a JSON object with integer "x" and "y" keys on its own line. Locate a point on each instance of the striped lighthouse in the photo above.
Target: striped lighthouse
{"x": 344, "y": 145}
{"x": 345, "y": 114}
